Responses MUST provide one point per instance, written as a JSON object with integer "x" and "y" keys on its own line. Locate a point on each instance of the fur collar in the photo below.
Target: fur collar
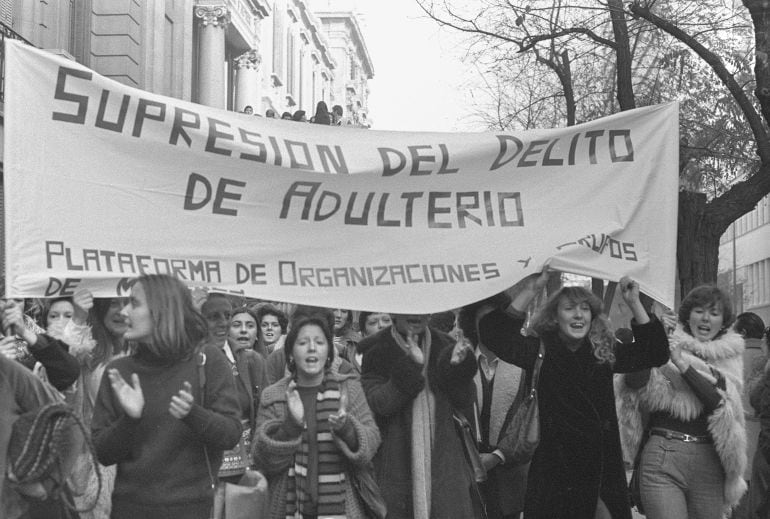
{"x": 727, "y": 345}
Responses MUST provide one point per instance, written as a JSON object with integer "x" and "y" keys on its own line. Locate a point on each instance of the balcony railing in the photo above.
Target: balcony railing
{"x": 6, "y": 33}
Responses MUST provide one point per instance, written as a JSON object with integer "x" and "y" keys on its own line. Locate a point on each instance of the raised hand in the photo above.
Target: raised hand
{"x": 129, "y": 396}
{"x": 182, "y": 402}
{"x": 629, "y": 289}
{"x": 461, "y": 349}
{"x": 8, "y": 347}
{"x": 294, "y": 403}
{"x": 523, "y": 293}
{"x": 83, "y": 301}
{"x": 338, "y": 420}
{"x": 413, "y": 350}
{"x": 13, "y": 322}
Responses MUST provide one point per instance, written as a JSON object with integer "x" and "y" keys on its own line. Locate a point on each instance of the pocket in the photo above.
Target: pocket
{"x": 658, "y": 453}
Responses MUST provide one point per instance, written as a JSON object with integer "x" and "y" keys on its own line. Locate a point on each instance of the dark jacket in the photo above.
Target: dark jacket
{"x": 61, "y": 368}
{"x": 579, "y": 458}
{"x": 391, "y": 381}
{"x": 162, "y": 464}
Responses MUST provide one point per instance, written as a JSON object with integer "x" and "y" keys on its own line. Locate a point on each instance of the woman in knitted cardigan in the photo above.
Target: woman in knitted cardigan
{"x": 314, "y": 430}
{"x": 693, "y": 462}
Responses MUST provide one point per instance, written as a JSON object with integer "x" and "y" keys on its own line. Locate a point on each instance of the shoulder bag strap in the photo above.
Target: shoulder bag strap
{"x": 200, "y": 361}
{"x": 536, "y": 369}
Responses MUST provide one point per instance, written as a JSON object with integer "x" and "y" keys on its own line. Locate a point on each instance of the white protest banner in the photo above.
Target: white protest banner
{"x": 104, "y": 183}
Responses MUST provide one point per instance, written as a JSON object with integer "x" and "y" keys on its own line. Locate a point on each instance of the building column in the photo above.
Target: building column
{"x": 211, "y": 61}
{"x": 247, "y": 81}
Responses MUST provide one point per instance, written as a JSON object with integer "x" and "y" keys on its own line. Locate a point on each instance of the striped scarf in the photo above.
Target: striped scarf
{"x": 331, "y": 473}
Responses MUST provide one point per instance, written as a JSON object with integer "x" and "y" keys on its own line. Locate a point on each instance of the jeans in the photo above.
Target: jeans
{"x": 681, "y": 480}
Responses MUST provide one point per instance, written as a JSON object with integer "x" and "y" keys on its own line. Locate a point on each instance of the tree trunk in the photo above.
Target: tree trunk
{"x": 697, "y": 250}
{"x": 623, "y": 53}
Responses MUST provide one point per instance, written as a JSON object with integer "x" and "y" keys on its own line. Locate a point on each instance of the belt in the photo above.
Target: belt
{"x": 676, "y": 435}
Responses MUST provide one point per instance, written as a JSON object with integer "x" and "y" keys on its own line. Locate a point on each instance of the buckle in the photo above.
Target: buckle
{"x": 688, "y": 439}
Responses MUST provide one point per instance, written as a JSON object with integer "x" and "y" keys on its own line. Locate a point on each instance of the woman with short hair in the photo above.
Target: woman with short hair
{"x": 693, "y": 461}
{"x": 315, "y": 428}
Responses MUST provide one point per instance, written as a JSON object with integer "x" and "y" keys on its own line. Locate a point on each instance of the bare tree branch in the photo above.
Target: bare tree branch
{"x": 753, "y": 118}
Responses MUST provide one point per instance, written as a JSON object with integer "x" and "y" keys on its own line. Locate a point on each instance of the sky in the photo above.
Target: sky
{"x": 420, "y": 81}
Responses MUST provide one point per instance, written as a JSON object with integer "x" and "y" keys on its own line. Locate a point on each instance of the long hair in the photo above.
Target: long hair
{"x": 296, "y": 326}
{"x": 600, "y": 333}
{"x": 706, "y": 296}
{"x": 107, "y": 343}
{"x": 178, "y": 326}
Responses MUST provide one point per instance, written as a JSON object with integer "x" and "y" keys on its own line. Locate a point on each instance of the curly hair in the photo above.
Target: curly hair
{"x": 706, "y": 296}
{"x": 269, "y": 309}
{"x": 600, "y": 333}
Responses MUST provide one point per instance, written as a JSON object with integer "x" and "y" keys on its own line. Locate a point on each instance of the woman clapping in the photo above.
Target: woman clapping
{"x": 314, "y": 429}
{"x": 166, "y": 413}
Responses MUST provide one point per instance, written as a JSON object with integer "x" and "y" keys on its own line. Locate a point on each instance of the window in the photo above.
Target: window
{"x": 758, "y": 283}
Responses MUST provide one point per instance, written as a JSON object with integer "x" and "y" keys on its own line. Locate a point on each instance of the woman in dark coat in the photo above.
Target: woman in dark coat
{"x": 577, "y": 471}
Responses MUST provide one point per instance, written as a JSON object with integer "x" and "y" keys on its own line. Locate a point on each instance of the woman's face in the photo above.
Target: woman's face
{"x": 139, "y": 324}
{"x": 243, "y": 330}
{"x": 340, "y": 318}
{"x": 217, "y": 312}
{"x": 375, "y": 323}
{"x": 705, "y": 322}
{"x": 271, "y": 329}
{"x": 59, "y": 314}
{"x": 310, "y": 352}
{"x": 114, "y": 321}
{"x": 573, "y": 319}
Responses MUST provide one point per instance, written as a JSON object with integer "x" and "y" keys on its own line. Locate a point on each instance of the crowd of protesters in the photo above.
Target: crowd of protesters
{"x": 322, "y": 116}
{"x": 347, "y": 413}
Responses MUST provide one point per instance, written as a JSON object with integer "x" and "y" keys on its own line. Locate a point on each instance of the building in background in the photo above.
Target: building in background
{"x": 744, "y": 261}
{"x": 277, "y": 54}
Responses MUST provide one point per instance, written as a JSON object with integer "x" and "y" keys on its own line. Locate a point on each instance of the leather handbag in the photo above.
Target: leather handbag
{"x": 525, "y": 424}
{"x": 470, "y": 447}
{"x": 364, "y": 485}
{"x": 247, "y": 499}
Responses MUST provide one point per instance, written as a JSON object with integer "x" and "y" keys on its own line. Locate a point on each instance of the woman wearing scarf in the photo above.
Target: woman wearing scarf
{"x": 693, "y": 461}
{"x": 315, "y": 430}
{"x": 414, "y": 378}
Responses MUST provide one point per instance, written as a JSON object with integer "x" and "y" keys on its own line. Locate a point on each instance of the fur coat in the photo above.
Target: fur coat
{"x": 667, "y": 391}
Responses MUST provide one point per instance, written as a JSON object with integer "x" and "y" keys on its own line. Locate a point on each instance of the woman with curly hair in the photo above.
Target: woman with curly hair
{"x": 577, "y": 470}
{"x": 693, "y": 461}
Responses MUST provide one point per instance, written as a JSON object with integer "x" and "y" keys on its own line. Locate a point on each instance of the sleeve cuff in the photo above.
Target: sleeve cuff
{"x": 499, "y": 454}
